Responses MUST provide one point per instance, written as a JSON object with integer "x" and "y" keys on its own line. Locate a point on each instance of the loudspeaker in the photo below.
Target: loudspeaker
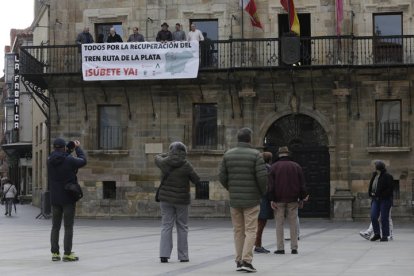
{"x": 290, "y": 49}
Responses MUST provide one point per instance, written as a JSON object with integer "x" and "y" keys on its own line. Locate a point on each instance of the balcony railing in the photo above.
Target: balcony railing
{"x": 323, "y": 51}
{"x": 388, "y": 134}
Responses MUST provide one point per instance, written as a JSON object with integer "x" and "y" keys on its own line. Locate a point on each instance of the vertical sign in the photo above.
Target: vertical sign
{"x": 16, "y": 87}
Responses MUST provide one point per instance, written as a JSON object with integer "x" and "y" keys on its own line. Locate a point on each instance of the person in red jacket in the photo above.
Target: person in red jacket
{"x": 286, "y": 188}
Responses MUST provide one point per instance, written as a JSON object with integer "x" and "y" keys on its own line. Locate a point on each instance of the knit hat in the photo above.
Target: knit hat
{"x": 59, "y": 143}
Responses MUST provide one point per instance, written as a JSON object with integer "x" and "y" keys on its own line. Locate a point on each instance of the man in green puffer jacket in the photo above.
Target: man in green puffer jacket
{"x": 243, "y": 173}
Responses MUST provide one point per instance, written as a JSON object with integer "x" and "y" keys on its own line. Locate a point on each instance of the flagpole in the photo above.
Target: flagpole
{"x": 288, "y": 11}
{"x": 242, "y": 20}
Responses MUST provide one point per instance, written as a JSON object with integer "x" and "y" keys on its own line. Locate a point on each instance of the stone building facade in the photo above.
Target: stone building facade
{"x": 336, "y": 118}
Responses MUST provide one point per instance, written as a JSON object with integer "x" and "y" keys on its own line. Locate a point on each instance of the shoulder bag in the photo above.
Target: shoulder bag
{"x": 75, "y": 190}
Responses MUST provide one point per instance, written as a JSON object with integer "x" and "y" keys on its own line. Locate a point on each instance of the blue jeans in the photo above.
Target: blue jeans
{"x": 67, "y": 212}
{"x": 381, "y": 207}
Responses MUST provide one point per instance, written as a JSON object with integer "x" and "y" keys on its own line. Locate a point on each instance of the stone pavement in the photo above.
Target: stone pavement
{"x": 130, "y": 247}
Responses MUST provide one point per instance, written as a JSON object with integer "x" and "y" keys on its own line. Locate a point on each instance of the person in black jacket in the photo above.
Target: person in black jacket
{"x": 113, "y": 37}
{"x": 62, "y": 169}
{"x": 164, "y": 34}
{"x": 381, "y": 192}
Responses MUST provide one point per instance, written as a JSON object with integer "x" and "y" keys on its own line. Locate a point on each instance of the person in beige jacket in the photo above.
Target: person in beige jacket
{"x": 9, "y": 193}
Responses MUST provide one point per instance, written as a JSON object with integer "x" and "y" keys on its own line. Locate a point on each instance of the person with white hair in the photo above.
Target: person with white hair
{"x": 194, "y": 33}
{"x": 113, "y": 37}
{"x": 174, "y": 197}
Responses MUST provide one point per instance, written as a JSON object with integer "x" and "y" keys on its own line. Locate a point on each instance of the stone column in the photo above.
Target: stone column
{"x": 342, "y": 197}
{"x": 246, "y": 98}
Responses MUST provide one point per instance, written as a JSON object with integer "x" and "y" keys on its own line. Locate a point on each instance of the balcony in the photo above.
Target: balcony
{"x": 388, "y": 137}
{"x": 242, "y": 54}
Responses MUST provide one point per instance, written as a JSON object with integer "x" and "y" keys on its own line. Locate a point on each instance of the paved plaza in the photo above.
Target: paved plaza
{"x": 130, "y": 247}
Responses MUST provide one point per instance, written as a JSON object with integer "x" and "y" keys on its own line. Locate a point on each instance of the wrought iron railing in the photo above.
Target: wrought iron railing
{"x": 388, "y": 134}
{"x": 206, "y": 137}
{"x": 325, "y": 51}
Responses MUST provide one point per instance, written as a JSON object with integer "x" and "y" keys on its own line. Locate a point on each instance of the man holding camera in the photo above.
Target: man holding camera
{"x": 62, "y": 169}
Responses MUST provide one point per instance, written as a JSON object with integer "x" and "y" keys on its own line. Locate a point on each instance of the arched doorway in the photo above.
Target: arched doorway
{"x": 308, "y": 142}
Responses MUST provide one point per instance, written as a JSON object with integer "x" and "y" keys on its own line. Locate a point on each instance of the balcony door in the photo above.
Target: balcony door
{"x": 102, "y": 30}
{"x": 388, "y": 45}
{"x": 305, "y": 33}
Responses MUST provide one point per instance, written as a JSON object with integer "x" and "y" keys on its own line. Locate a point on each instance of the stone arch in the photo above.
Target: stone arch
{"x": 309, "y": 145}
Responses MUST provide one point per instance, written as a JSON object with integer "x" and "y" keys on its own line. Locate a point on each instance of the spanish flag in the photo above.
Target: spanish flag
{"x": 250, "y": 7}
{"x": 289, "y": 6}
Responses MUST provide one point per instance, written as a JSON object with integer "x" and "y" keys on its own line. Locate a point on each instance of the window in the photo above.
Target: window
{"x": 41, "y": 133}
{"x": 205, "y": 126}
{"x": 388, "y": 49}
{"x": 102, "y": 31}
{"x": 202, "y": 190}
{"x": 37, "y": 135}
{"x": 40, "y": 168}
{"x": 109, "y": 190}
{"x": 110, "y": 130}
{"x": 396, "y": 189}
{"x": 388, "y": 123}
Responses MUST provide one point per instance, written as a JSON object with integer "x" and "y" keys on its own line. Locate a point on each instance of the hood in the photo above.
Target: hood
{"x": 176, "y": 158}
{"x": 57, "y": 157}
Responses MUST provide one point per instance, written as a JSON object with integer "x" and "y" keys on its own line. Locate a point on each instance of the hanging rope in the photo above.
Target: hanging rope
{"x": 273, "y": 89}
{"x": 313, "y": 92}
{"x": 154, "y": 115}
{"x": 230, "y": 94}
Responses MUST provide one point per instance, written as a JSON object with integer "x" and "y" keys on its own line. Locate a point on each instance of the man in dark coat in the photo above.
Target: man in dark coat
{"x": 84, "y": 37}
{"x": 113, "y": 37}
{"x": 164, "y": 34}
{"x": 381, "y": 192}
{"x": 243, "y": 173}
{"x": 286, "y": 188}
{"x": 62, "y": 169}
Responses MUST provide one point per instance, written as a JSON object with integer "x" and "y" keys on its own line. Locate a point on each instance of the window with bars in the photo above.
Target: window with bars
{"x": 110, "y": 130}
{"x": 109, "y": 190}
{"x": 205, "y": 126}
{"x": 388, "y": 123}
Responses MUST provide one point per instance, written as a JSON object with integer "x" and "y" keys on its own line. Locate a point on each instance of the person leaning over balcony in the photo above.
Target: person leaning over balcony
{"x": 179, "y": 34}
{"x": 174, "y": 197}
{"x": 243, "y": 174}
{"x": 381, "y": 193}
{"x": 136, "y": 36}
{"x": 84, "y": 37}
{"x": 62, "y": 169}
{"x": 164, "y": 34}
{"x": 113, "y": 37}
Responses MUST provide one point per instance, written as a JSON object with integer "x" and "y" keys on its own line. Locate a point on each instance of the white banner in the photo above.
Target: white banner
{"x": 140, "y": 60}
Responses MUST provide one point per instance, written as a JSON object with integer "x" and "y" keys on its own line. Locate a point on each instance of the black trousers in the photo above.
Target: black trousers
{"x": 67, "y": 212}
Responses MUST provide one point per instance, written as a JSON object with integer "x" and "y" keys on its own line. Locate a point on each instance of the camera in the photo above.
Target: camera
{"x": 70, "y": 146}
